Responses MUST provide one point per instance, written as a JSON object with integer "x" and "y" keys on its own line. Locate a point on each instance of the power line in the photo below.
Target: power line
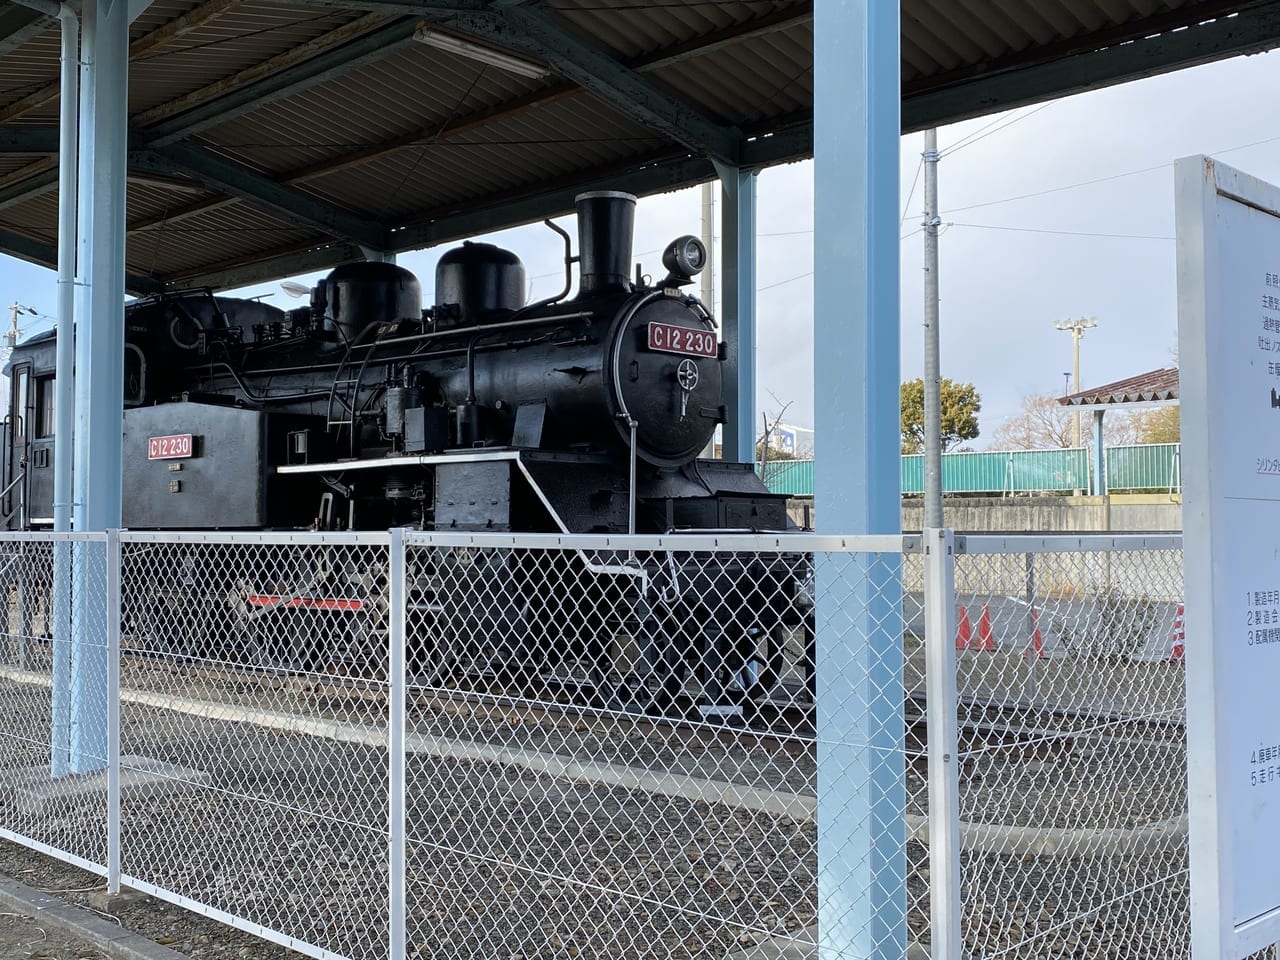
{"x": 1063, "y": 233}
{"x": 1069, "y": 186}
{"x": 911, "y": 193}
{"x": 1089, "y": 183}
{"x": 782, "y": 282}
{"x": 981, "y": 135}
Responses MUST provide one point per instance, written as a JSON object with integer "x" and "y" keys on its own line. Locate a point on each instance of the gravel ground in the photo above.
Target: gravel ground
{"x": 1091, "y": 776}
{"x": 505, "y": 862}
{"x": 183, "y": 931}
{"x": 24, "y": 937}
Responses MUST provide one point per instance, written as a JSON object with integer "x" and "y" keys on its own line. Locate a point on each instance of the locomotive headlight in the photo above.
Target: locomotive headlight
{"x": 685, "y": 257}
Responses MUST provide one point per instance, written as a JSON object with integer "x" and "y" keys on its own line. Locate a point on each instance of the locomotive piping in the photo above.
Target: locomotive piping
{"x": 568, "y": 271}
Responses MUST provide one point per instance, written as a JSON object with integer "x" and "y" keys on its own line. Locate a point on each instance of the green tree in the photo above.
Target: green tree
{"x": 960, "y": 404}
{"x": 1160, "y": 425}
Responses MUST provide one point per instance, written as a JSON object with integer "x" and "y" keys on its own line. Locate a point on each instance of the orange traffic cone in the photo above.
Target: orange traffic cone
{"x": 1037, "y": 641}
{"x": 964, "y": 633}
{"x": 986, "y": 641}
{"x": 1179, "y": 636}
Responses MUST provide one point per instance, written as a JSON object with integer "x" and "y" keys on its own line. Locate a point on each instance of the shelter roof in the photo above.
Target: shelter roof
{"x": 270, "y": 137}
{"x": 1149, "y": 387}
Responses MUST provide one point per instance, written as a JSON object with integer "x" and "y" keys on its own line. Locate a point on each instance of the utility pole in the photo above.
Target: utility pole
{"x": 708, "y": 241}
{"x": 13, "y": 333}
{"x": 709, "y": 273}
{"x": 932, "y": 361}
{"x": 1077, "y": 328}
{"x": 9, "y": 339}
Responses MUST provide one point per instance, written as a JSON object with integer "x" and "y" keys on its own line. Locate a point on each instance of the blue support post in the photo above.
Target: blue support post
{"x": 68, "y": 151}
{"x": 1099, "y": 456}
{"x": 861, "y": 789}
{"x": 100, "y": 373}
{"x": 738, "y": 309}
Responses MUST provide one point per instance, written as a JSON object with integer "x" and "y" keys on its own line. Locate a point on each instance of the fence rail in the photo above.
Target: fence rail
{"x": 410, "y": 744}
{"x": 1153, "y": 466}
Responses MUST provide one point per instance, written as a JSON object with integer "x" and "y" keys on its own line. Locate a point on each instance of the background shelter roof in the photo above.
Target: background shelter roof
{"x": 1154, "y": 386}
{"x": 274, "y": 138}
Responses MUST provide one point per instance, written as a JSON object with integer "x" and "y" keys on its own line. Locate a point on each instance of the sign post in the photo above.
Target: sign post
{"x": 1228, "y": 249}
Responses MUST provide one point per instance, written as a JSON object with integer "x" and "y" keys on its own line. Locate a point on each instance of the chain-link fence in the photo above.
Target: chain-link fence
{"x": 1072, "y": 753}
{"x": 411, "y": 744}
{"x": 53, "y": 655}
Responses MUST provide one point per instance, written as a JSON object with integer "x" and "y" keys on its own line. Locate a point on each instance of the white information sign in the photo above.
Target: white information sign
{"x": 1228, "y": 227}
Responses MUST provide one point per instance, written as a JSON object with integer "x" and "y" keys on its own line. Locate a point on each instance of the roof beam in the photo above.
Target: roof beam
{"x": 332, "y": 55}
{"x": 19, "y": 24}
{"x": 641, "y": 177}
{"x": 166, "y": 33}
{"x": 1003, "y": 87}
{"x": 655, "y": 174}
{"x": 534, "y": 32}
{"x": 412, "y": 8}
{"x": 46, "y": 255}
{"x": 29, "y": 139}
{"x": 761, "y": 26}
{"x": 213, "y": 170}
{"x": 231, "y": 275}
{"x": 43, "y": 179}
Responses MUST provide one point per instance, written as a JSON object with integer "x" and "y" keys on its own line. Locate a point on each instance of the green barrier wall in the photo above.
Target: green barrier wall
{"x": 1153, "y": 466}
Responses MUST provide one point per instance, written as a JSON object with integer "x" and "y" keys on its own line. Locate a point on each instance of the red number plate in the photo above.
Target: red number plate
{"x": 669, "y": 338}
{"x": 169, "y": 448}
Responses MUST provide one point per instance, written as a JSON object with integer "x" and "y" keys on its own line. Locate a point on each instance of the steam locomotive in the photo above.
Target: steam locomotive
{"x": 363, "y": 411}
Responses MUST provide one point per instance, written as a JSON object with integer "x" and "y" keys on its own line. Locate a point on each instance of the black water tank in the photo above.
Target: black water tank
{"x": 482, "y": 281}
{"x": 357, "y": 294}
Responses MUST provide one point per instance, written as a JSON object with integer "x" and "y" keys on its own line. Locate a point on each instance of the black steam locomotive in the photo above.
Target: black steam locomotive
{"x": 363, "y": 411}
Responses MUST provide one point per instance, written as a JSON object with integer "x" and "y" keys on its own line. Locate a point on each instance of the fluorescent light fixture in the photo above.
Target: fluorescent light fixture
{"x": 480, "y": 53}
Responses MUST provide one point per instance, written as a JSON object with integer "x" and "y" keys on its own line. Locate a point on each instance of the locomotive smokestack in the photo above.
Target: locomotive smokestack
{"x": 605, "y": 223}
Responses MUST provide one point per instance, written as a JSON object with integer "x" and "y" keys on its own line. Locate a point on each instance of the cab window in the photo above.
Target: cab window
{"x": 46, "y": 407}
{"x": 18, "y": 405}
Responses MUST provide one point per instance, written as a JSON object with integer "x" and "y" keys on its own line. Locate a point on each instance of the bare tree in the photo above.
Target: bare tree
{"x": 1044, "y": 424}
{"x": 764, "y": 443}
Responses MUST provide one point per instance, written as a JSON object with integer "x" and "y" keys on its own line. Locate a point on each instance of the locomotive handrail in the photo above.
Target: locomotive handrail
{"x": 22, "y": 499}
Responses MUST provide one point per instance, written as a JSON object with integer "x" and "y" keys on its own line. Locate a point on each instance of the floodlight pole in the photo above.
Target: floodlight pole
{"x": 932, "y": 360}
{"x": 1077, "y": 328}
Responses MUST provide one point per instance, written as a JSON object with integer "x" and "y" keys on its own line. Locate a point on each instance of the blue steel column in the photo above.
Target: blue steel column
{"x": 861, "y": 792}
{"x": 100, "y": 376}
{"x": 68, "y": 150}
{"x": 1099, "y": 456}
{"x": 738, "y": 309}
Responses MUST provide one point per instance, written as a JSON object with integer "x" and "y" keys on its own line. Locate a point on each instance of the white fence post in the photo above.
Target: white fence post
{"x": 943, "y": 739}
{"x": 113, "y": 711}
{"x": 395, "y": 745}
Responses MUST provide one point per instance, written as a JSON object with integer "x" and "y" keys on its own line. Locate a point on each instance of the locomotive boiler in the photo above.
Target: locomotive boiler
{"x": 363, "y": 410}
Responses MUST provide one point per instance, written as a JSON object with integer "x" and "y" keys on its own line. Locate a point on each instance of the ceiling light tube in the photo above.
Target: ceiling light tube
{"x": 480, "y": 53}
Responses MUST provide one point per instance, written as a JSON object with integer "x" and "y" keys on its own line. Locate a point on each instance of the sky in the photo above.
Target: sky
{"x": 1050, "y": 212}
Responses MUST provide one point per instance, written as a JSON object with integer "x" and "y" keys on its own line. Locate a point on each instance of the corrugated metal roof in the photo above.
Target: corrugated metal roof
{"x": 1143, "y": 388}
{"x": 340, "y": 105}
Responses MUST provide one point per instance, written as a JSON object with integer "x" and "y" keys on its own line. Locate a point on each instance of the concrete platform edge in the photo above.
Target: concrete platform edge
{"x": 114, "y": 940}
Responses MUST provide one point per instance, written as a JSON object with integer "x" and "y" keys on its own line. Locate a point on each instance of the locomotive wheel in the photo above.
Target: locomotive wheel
{"x": 810, "y": 662}
{"x": 761, "y": 670}
{"x": 265, "y": 645}
{"x": 655, "y": 688}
